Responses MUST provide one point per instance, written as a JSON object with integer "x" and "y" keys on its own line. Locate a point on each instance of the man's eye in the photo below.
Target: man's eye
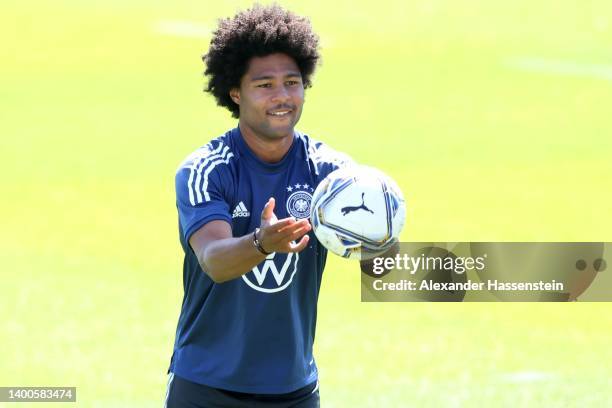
{"x": 264, "y": 85}
{"x": 291, "y": 83}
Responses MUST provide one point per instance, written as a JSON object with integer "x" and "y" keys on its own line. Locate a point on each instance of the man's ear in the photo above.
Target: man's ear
{"x": 235, "y": 95}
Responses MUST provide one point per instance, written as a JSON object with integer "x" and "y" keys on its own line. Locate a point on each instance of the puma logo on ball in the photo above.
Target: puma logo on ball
{"x": 349, "y": 209}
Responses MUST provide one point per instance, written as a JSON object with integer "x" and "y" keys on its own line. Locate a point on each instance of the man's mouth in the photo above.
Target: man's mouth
{"x": 280, "y": 112}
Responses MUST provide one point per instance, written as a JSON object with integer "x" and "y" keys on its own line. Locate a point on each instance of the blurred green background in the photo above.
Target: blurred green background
{"x": 493, "y": 116}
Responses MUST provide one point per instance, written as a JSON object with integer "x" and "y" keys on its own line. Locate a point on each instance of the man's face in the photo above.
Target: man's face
{"x": 270, "y": 96}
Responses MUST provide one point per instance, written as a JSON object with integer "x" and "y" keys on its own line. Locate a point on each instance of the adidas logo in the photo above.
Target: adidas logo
{"x": 241, "y": 211}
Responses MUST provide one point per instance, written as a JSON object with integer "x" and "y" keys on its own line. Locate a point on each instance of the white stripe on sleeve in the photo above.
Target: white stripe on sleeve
{"x": 209, "y": 169}
{"x": 193, "y": 171}
{"x": 205, "y": 164}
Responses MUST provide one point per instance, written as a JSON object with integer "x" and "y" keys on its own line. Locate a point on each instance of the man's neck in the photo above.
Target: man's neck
{"x": 266, "y": 149}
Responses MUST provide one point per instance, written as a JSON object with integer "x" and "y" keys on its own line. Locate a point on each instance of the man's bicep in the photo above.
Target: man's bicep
{"x": 209, "y": 232}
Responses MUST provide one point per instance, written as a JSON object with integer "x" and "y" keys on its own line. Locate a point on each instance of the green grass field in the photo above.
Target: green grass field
{"x": 493, "y": 116}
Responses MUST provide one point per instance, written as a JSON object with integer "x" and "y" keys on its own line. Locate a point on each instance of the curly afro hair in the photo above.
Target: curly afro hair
{"x": 257, "y": 32}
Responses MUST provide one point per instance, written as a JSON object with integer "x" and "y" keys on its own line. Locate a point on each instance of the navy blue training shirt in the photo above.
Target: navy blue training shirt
{"x": 255, "y": 333}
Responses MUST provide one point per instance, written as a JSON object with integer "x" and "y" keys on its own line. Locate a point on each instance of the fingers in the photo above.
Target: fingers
{"x": 280, "y": 236}
{"x": 295, "y": 233}
{"x": 285, "y": 225}
{"x": 300, "y": 245}
{"x": 287, "y": 229}
{"x": 281, "y": 225}
{"x": 268, "y": 210}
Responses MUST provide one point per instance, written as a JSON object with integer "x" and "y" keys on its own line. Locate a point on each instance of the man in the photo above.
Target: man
{"x": 252, "y": 268}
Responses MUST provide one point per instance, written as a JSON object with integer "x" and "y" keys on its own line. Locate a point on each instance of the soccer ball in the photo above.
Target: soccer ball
{"x": 357, "y": 212}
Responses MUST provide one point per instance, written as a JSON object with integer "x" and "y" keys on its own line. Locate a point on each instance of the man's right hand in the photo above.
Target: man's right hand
{"x": 279, "y": 235}
{"x": 224, "y": 257}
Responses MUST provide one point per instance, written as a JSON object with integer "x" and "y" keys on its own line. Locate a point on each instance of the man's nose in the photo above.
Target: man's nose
{"x": 281, "y": 95}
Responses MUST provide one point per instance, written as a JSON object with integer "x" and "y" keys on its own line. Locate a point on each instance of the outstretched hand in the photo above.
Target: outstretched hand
{"x": 279, "y": 235}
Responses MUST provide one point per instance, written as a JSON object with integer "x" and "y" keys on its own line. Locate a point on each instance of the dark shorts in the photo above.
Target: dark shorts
{"x": 182, "y": 393}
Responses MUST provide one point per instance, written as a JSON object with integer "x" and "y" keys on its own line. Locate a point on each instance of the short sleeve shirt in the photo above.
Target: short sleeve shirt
{"x": 254, "y": 333}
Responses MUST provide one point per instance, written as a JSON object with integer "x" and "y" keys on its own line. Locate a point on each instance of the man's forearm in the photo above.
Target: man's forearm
{"x": 224, "y": 257}
{"x": 229, "y": 258}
